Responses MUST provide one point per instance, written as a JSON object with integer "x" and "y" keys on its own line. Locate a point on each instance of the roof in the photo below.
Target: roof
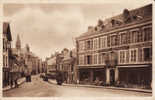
{"x": 138, "y": 13}
{"x": 6, "y": 30}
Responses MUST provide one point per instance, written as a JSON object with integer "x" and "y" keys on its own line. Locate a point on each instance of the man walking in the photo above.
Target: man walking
{"x": 26, "y": 73}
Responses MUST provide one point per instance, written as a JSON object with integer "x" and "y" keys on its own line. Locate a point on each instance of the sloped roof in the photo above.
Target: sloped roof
{"x": 6, "y": 30}
{"x": 143, "y": 12}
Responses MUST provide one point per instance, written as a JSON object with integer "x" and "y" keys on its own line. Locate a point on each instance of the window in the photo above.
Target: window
{"x": 147, "y": 54}
{"x": 3, "y": 45}
{"x": 100, "y": 59}
{"x": 3, "y": 60}
{"x": 148, "y": 34}
{"x": 81, "y": 59}
{"x": 113, "y": 40}
{"x": 81, "y": 45}
{"x": 140, "y": 37}
{"x": 122, "y": 56}
{"x": 103, "y": 58}
{"x": 108, "y": 41}
{"x": 133, "y": 55}
{"x": 103, "y": 42}
{"x": 89, "y": 59}
{"x": 123, "y": 38}
{"x": 96, "y": 44}
{"x": 133, "y": 36}
{"x": 140, "y": 55}
{"x": 127, "y": 56}
{"x": 95, "y": 59}
{"x": 88, "y": 45}
{"x": 6, "y": 58}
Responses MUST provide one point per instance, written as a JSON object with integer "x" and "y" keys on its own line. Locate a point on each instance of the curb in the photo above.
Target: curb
{"x": 113, "y": 88}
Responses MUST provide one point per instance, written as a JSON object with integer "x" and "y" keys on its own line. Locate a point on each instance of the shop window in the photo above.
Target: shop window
{"x": 147, "y": 54}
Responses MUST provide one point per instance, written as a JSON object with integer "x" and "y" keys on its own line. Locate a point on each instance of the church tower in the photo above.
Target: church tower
{"x": 18, "y": 43}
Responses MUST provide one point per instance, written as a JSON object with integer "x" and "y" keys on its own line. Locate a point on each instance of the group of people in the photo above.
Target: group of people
{"x": 15, "y": 74}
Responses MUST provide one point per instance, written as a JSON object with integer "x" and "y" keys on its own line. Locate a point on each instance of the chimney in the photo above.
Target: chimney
{"x": 90, "y": 28}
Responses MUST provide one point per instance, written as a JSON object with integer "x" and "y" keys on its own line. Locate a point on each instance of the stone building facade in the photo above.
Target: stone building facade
{"x": 118, "y": 50}
{"x": 7, "y": 38}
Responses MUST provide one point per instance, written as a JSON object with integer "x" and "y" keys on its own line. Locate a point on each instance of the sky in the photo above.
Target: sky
{"x": 48, "y": 28}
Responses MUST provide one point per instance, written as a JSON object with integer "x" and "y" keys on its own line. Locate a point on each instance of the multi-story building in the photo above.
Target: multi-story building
{"x": 51, "y": 63}
{"x": 7, "y": 38}
{"x": 67, "y": 65}
{"x": 118, "y": 50}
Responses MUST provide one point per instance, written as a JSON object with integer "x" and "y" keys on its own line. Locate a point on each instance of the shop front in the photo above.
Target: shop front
{"x": 135, "y": 76}
{"x": 92, "y": 75}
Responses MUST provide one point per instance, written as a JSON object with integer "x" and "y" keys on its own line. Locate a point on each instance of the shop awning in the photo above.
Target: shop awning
{"x": 133, "y": 66}
{"x": 90, "y": 67}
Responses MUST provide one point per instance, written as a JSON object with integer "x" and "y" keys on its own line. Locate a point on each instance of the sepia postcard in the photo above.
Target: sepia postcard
{"x": 77, "y": 49}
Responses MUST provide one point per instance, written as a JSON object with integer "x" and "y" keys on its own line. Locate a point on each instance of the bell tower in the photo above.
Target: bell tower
{"x": 18, "y": 43}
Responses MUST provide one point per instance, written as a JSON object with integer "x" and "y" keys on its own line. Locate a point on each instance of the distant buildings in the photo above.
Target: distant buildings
{"x": 64, "y": 62}
{"x": 7, "y": 39}
{"x": 30, "y": 60}
{"x": 118, "y": 50}
{"x": 68, "y": 64}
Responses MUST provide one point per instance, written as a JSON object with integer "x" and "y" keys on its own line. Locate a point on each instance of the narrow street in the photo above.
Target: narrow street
{"x": 39, "y": 88}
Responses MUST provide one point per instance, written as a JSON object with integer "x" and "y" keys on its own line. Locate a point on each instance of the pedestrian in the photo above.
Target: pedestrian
{"x": 16, "y": 76}
{"x": 26, "y": 73}
{"x": 11, "y": 79}
{"x": 29, "y": 76}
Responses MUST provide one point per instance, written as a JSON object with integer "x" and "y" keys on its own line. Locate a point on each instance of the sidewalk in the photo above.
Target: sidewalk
{"x": 20, "y": 81}
{"x": 105, "y": 87}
